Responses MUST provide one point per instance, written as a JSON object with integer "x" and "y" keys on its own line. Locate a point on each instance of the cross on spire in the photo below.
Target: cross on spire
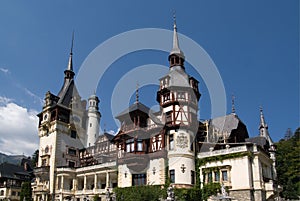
{"x": 137, "y": 93}
{"x": 232, "y": 104}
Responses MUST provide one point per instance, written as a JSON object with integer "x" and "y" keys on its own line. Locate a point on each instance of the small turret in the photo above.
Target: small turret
{"x": 93, "y": 123}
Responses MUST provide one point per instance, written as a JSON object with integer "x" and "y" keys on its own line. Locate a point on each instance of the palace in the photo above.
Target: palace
{"x": 151, "y": 147}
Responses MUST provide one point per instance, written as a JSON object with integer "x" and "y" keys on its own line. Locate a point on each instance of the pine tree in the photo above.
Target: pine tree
{"x": 288, "y": 166}
{"x": 26, "y": 192}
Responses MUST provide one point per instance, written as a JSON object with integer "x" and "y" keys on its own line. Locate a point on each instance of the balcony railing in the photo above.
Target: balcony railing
{"x": 42, "y": 172}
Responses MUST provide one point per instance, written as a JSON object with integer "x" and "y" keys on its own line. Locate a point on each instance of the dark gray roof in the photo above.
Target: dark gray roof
{"x": 12, "y": 171}
{"x": 225, "y": 123}
{"x": 109, "y": 136}
{"x": 230, "y": 125}
{"x": 67, "y": 92}
{"x": 261, "y": 141}
{"x": 134, "y": 107}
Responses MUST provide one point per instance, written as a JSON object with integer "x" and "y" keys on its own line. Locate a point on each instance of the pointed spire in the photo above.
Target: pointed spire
{"x": 263, "y": 127}
{"x": 70, "y": 64}
{"x": 137, "y": 93}
{"x": 232, "y": 104}
{"x": 69, "y": 74}
{"x": 176, "y": 50}
{"x": 262, "y": 118}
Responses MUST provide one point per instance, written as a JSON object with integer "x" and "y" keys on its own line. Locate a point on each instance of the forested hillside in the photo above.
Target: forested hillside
{"x": 288, "y": 165}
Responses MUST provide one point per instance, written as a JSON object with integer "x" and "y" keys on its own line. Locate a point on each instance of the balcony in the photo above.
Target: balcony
{"x": 42, "y": 172}
{"x": 134, "y": 161}
{"x": 40, "y": 188}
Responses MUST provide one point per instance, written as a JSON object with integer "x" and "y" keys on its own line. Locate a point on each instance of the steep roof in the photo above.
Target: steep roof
{"x": 230, "y": 126}
{"x": 12, "y": 171}
{"x": 137, "y": 106}
{"x": 67, "y": 92}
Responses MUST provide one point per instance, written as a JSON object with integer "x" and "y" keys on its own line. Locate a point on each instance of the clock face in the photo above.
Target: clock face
{"x": 45, "y": 117}
{"x": 47, "y": 149}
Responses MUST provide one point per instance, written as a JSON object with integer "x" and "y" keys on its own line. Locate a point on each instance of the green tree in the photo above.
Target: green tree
{"x": 288, "y": 166}
{"x": 26, "y": 192}
{"x": 35, "y": 158}
{"x": 96, "y": 197}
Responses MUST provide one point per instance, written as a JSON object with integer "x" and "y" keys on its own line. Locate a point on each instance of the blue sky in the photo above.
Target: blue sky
{"x": 254, "y": 45}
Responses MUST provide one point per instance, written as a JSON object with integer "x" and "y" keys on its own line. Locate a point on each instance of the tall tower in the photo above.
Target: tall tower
{"x": 93, "y": 122}
{"x": 61, "y": 131}
{"x": 178, "y": 97}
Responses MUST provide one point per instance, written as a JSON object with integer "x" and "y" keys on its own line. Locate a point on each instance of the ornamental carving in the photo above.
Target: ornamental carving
{"x": 182, "y": 141}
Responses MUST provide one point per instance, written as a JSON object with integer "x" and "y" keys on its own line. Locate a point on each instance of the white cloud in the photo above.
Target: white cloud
{"x": 4, "y": 70}
{"x": 5, "y": 100}
{"x": 18, "y": 133}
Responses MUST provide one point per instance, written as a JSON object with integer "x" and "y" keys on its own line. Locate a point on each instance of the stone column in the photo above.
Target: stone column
{"x": 56, "y": 183}
{"x": 74, "y": 185}
{"x": 107, "y": 180}
{"x": 95, "y": 181}
{"x": 84, "y": 182}
{"x": 62, "y": 183}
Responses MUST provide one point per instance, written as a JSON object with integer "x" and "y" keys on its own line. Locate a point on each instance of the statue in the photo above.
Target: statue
{"x": 223, "y": 190}
{"x": 170, "y": 193}
{"x": 107, "y": 195}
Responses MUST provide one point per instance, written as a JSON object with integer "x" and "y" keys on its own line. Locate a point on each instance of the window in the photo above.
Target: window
{"x": 166, "y": 97}
{"x": 164, "y": 82}
{"x": 13, "y": 193}
{"x": 180, "y": 95}
{"x": 2, "y": 192}
{"x": 139, "y": 179}
{"x": 91, "y": 124}
{"x": 130, "y": 145}
{"x": 192, "y": 177}
{"x": 71, "y": 164}
{"x": 44, "y": 162}
{"x": 159, "y": 145}
{"x": 72, "y": 152}
{"x": 154, "y": 144}
{"x": 209, "y": 177}
{"x": 171, "y": 142}
{"x": 139, "y": 145}
{"x": 169, "y": 117}
{"x": 73, "y": 134}
{"x": 217, "y": 176}
{"x": 224, "y": 175}
{"x": 172, "y": 176}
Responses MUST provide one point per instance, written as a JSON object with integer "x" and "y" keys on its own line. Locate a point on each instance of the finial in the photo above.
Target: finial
{"x": 232, "y": 104}
{"x": 70, "y": 63}
{"x": 175, "y": 49}
{"x": 71, "y": 52}
{"x": 174, "y": 19}
{"x": 260, "y": 109}
{"x": 137, "y": 93}
{"x": 262, "y": 118}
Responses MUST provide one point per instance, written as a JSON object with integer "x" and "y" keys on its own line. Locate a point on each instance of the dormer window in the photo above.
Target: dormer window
{"x": 164, "y": 82}
{"x": 167, "y": 97}
{"x": 130, "y": 145}
{"x": 181, "y": 95}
